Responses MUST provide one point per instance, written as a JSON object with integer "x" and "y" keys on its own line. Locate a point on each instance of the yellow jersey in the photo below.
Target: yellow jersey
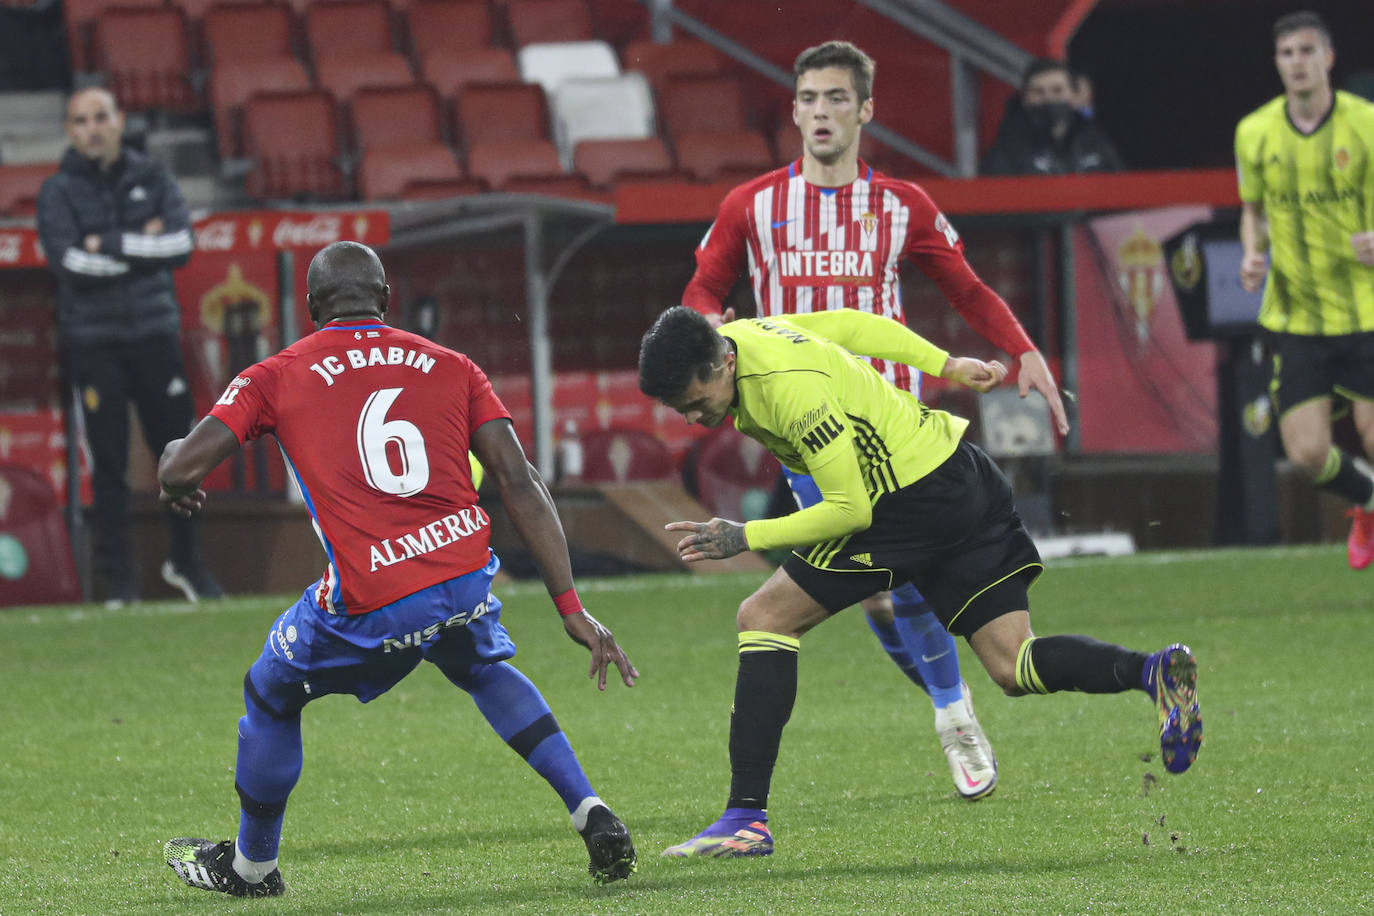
{"x": 804, "y": 390}
{"x": 1317, "y": 190}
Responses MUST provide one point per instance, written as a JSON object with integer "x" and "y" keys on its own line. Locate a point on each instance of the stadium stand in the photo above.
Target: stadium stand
{"x": 81, "y": 17}
{"x": 606, "y": 163}
{"x": 701, "y": 104}
{"x": 449, "y": 72}
{"x": 661, "y": 60}
{"x": 19, "y": 186}
{"x": 447, "y": 27}
{"x": 293, "y": 141}
{"x": 145, "y": 58}
{"x": 722, "y": 155}
{"x": 551, "y": 63}
{"x": 350, "y": 42}
{"x": 549, "y": 20}
{"x": 233, "y": 84}
{"x": 399, "y": 139}
{"x": 613, "y": 108}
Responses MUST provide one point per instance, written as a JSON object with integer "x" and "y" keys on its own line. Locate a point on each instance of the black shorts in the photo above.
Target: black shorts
{"x": 1307, "y": 367}
{"x": 954, "y": 533}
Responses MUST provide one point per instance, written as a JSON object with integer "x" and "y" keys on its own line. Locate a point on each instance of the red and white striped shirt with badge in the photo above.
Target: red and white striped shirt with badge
{"x": 812, "y": 249}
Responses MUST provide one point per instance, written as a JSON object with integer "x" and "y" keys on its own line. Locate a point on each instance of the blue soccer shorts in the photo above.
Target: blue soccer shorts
{"x": 311, "y": 653}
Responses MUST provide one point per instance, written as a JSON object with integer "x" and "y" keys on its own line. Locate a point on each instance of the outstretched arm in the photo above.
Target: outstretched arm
{"x": 532, "y": 512}
{"x": 186, "y": 462}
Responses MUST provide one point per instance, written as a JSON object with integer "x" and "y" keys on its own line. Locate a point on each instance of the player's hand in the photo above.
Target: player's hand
{"x": 1363, "y": 243}
{"x": 724, "y": 317}
{"x": 981, "y": 376}
{"x": 154, "y": 226}
{"x": 1253, "y": 269}
{"x": 584, "y": 630}
{"x": 718, "y": 539}
{"x": 91, "y": 243}
{"x": 1035, "y": 373}
{"x": 186, "y": 505}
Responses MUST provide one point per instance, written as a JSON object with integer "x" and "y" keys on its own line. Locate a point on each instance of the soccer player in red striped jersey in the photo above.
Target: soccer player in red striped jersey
{"x": 376, "y": 425}
{"x": 828, "y": 232}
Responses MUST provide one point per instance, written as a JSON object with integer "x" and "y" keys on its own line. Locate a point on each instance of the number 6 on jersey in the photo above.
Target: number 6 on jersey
{"x": 376, "y": 432}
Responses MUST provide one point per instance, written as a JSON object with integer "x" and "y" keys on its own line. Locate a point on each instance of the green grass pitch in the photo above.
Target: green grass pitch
{"x": 119, "y": 731}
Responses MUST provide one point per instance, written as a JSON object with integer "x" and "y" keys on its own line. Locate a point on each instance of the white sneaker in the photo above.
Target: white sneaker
{"x": 971, "y": 760}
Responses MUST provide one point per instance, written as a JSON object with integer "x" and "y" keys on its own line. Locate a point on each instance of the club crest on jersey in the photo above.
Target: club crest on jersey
{"x": 826, "y": 268}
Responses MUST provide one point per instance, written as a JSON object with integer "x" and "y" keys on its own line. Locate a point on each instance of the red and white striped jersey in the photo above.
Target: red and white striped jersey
{"x": 815, "y": 249}
{"x": 375, "y": 425}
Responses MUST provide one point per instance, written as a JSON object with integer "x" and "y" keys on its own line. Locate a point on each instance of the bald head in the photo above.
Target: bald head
{"x": 346, "y": 278}
{"x": 95, "y": 125}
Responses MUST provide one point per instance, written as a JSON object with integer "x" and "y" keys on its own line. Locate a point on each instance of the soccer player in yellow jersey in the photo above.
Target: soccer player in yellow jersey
{"x": 1306, "y": 167}
{"x": 904, "y": 499}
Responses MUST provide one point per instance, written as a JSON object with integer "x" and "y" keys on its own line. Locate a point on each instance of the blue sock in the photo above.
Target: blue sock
{"x": 517, "y": 712}
{"x": 269, "y": 763}
{"x": 931, "y": 648}
{"x": 893, "y": 644}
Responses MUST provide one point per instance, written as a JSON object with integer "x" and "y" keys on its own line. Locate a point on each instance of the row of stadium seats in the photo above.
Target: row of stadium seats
{"x": 512, "y": 23}
{"x": 19, "y": 185}
{"x": 300, "y": 144}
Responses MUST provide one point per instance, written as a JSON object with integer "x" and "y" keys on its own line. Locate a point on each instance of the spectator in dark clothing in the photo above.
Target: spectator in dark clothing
{"x": 1043, "y": 133}
{"x": 113, "y": 225}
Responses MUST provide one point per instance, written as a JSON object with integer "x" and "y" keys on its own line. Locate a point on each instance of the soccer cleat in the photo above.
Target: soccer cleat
{"x": 210, "y": 866}
{"x": 739, "y": 832}
{"x": 194, "y": 581}
{"x": 609, "y": 845}
{"x": 1359, "y": 546}
{"x": 1171, "y": 679}
{"x": 972, "y": 762}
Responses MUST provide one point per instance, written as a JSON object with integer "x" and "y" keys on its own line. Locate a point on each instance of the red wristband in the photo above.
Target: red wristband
{"x": 568, "y": 603}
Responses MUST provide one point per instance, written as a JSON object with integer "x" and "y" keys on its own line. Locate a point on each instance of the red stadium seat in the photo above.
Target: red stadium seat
{"x": 451, "y": 72}
{"x": 661, "y": 60}
{"x": 617, "y": 455}
{"x": 19, "y": 186}
{"x": 707, "y": 156}
{"x": 701, "y": 104}
{"x": 145, "y": 58}
{"x": 293, "y": 139}
{"x": 233, "y": 84}
{"x": 488, "y": 113}
{"x": 81, "y": 16}
{"x": 442, "y": 188}
{"x": 196, "y": 10}
{"x": 246, "y": 32}
{"x": 40, "y": 568}
{"x": 342, "y": 77}
{"x": 347, "y": 28}
{"x": 384, "y": 174}
{"x": 620, "y": 21}
{"x": 497, "y": 162}
{"x": 605, "y": 162}
{"x": 549, "y": 20}
{"x": 452, "y": 27}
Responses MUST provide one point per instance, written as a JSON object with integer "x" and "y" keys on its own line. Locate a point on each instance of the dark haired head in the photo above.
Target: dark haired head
{"x": 838, "y": 54}
{"x": 679, "y": 348}
{"x": 1303, "y": 19}
{"x": 1044, "y": 65}
{"x": 346, "y": 278}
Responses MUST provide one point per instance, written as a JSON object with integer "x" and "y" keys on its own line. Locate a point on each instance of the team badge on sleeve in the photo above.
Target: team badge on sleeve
{"x": 238, "y": 384}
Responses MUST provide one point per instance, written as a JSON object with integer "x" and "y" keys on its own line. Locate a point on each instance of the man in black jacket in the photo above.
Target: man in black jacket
{"x": 113, "y": 226}
{"x": 1043, "y": 133}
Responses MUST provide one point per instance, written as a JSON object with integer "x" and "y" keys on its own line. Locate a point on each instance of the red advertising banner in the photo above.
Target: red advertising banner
{"x": 1142, "y": 386}
{"x": 239, "y": 232}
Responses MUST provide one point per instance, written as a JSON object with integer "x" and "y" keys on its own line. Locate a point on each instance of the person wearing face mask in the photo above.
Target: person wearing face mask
{"x": 1044, "y": 133}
